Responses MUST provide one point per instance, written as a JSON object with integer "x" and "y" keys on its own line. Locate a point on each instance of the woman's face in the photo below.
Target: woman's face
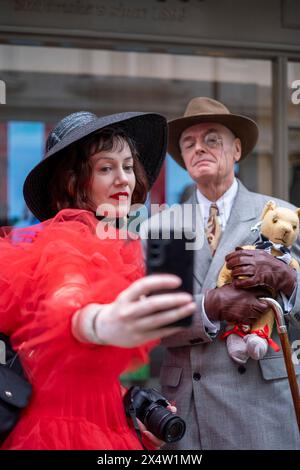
{"x": 113, "y": 181}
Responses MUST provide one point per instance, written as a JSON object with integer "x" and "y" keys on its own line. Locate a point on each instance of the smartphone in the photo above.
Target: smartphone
{"x": 171, "y": 253}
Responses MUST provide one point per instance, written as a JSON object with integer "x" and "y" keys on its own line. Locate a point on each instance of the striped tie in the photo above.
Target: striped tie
{"x": 213, "y": 228}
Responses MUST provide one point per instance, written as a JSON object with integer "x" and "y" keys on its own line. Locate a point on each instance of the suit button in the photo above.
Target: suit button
{"x": 8, "y": 394}
{"x": 196, "y": 376}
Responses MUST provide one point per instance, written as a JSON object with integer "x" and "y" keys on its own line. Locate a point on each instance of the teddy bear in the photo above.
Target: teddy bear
{"x": 276, "y": 224}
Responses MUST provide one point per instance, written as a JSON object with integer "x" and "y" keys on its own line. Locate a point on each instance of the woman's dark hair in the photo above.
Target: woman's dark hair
{"x": 70, "y": 184}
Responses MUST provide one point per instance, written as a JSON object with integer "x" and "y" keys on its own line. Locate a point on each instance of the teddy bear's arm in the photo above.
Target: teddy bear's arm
{"x": 224, "y": 276}
{"x": 294, "y": 264}
{"x": 266, "y": 319}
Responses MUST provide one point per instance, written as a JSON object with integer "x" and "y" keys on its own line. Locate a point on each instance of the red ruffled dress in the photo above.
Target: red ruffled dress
{"x": 47, "y": 272}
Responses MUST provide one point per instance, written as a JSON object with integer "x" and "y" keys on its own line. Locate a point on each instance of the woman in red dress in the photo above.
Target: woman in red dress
{"x": 73, "y": 299}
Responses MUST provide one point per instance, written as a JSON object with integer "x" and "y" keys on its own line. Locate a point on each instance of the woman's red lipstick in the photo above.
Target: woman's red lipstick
{"x": 120, "y": 194}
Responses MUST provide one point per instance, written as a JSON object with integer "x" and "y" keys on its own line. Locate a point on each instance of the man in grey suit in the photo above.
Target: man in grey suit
{"x": 227, "y": 405}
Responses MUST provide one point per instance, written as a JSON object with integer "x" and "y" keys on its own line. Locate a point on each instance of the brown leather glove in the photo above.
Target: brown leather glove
{"x": 235, "y": 305}
{"x": 261, "y": 269}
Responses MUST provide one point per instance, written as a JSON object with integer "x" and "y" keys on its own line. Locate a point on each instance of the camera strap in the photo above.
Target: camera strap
{"x": 132, "y": 413}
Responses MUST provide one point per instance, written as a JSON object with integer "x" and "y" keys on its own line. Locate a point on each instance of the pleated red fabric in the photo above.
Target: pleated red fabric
{"x": 47, "y": 272}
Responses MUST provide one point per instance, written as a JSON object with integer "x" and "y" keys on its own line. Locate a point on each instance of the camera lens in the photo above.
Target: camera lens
{"x": 175, "y": 430}
{"x": 164, "y": 424}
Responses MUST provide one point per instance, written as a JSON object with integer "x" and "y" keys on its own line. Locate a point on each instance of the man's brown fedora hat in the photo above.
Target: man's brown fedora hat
{"x": 208, "y": 110}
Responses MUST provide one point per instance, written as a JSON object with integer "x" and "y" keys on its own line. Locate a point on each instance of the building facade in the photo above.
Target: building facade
{"x": 109, "y": 56}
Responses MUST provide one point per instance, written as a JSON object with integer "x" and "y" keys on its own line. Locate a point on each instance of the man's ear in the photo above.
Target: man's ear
{"x": 237, "y": 149}
{"x": 298, "y": 212}
{"x": 270, "y": 206}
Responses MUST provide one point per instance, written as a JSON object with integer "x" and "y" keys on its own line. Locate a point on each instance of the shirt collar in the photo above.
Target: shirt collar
{"x": 225, "y": 201}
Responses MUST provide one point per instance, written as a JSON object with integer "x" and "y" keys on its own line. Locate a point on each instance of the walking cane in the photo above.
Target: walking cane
{"x": 283, "y": 335}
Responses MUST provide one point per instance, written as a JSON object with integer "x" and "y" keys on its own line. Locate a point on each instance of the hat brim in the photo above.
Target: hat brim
{"x": 148, "y": 130}
{"x": 242, "y": 127}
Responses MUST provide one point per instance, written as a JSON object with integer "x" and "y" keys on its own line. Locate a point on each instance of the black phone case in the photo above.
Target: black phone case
{"x": 171, "y": 256}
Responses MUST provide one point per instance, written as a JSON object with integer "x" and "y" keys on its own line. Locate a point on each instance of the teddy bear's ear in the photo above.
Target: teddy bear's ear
{"x": 270, "y": 205}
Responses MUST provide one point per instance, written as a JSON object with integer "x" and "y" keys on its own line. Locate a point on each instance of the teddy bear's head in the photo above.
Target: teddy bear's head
{"x": 280, "y": 224}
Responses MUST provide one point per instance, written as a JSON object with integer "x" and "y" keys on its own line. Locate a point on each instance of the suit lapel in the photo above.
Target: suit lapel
{"x": 202, "y": 255}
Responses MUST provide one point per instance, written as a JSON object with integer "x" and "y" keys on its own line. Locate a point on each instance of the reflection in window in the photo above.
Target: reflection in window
{"x": 24, "y": 150}
{"x": 46, "y": 83}
{"x": 294, "y": 136}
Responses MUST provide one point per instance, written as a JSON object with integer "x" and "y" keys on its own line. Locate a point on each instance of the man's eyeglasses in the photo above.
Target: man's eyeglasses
{"x": 211, "y": 140}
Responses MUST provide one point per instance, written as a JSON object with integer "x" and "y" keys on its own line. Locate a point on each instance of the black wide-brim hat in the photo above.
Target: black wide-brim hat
{"x": 203, "y": 110}
{"x": 148, "y": 131}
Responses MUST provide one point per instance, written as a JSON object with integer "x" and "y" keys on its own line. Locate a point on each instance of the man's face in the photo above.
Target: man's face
{"x": 209, "y": 151}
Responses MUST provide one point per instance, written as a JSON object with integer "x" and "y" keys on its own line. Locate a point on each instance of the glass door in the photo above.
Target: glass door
{"x": 43, "y": 84}
{"x": 294, "y": 131}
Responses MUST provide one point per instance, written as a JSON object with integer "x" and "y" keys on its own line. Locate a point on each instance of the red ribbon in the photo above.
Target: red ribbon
{"x": 264, "y": 333}
{"x": 243, "y": 330}
{"x": 240, "y": 330}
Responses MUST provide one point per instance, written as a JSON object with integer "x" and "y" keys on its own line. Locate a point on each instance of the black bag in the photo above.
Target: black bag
{"x": 15, "y": 390}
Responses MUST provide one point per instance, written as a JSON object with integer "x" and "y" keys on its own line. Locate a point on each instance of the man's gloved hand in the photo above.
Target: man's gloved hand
{"x": 235, "y": 305}
{"x": 261, "y": 269}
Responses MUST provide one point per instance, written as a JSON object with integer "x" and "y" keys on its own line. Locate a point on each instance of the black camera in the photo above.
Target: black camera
{"x": 150, "y": 407}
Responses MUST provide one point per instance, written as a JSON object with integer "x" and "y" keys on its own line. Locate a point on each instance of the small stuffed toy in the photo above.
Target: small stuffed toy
{"x": 279, "y": 229}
